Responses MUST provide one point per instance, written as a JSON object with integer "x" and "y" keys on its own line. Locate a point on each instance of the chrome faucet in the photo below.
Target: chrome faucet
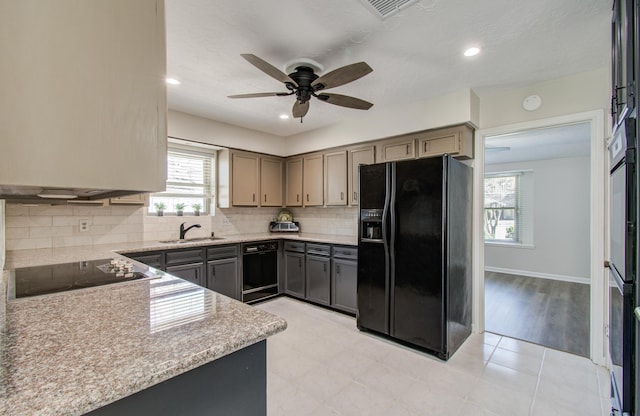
{"x": 183, "y": 230}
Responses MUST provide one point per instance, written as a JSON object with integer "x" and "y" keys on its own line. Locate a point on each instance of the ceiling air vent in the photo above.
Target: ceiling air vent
{"x": 386, "y": 8}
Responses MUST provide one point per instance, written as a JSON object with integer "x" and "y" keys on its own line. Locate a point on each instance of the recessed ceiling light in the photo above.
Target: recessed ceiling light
{"x": 284, "y": 116}
{"x": 173, "y": 81}
{"x": 472, "y": 51}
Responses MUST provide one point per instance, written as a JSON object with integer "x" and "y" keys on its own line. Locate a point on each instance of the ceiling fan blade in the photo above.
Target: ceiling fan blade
{"x": 300, "y": 110}
{"x": 341, "y": 76}
{"x": 345, "y": 101}
{"x": 268, "y": 69}
{"x": 259, "y": 94}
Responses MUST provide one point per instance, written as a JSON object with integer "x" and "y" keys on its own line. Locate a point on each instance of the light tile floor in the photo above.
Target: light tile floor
{"x": 323, "y": 366}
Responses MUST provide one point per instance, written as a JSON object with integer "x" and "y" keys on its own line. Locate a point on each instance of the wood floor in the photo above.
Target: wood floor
{"x": 543, "y": 311}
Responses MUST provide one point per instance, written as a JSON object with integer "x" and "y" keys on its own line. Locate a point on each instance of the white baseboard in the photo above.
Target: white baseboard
{"x": 564, "y": 278}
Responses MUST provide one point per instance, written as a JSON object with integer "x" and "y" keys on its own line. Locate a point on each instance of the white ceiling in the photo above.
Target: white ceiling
{"x": 572, "y": 140}
{"x": 416, "y": 54}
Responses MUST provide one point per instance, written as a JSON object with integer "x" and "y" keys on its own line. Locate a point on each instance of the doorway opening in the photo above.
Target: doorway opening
{"x": 536, "y": 234}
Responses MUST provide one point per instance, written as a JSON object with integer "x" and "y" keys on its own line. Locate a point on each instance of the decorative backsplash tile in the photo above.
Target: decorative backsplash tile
{"x": 28, "y": 227}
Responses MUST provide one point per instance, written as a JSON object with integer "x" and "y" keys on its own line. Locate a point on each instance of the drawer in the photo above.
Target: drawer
{"x": 184, "y": 256}
{"x": 344, "y": 252}
{"x": 318, "y": 249}
{"x": 224, "y": 252}
{"x": 294, "y": 246}
{"x": 153, "y": 259}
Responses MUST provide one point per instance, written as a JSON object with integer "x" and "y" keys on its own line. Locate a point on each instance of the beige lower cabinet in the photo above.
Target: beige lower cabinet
{"x": 336, "y": 178}
{"x": 270, "y": 182}
{"x": 357, "y": 157}
{"x": 396, "y": 149}
{"x": 293, "y": 190}
{"x": 244, "y": 179}
{"x": 456, "y": 141}
{"x": 313, "y": 180}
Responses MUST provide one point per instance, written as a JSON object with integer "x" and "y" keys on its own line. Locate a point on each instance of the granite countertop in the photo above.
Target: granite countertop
{"x": 72, "y": 352}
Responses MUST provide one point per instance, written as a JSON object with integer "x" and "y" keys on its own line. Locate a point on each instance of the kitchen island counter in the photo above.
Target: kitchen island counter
{"x": 72, "y": 352}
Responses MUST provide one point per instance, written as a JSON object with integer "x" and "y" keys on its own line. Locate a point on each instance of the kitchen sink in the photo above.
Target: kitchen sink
{"x": 191, "y": 240}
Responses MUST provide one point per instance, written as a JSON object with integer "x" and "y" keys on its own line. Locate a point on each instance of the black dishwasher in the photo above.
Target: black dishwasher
{"x": 259, "y": 271}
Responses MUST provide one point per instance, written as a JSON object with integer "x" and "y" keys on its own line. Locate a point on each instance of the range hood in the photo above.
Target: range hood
{"x": 56, "y": 196}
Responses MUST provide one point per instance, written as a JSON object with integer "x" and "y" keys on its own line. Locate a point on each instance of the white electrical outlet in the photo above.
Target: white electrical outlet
{"x": 84, "y": 225}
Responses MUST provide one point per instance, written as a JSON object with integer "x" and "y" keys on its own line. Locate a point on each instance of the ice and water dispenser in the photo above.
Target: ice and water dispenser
{"x": 371, "y": 224}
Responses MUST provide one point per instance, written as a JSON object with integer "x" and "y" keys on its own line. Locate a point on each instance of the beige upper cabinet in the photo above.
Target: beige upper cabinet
{"x": 456, "y": 141}
{"x": 336, "y": 178}
{"x": 244, "y": 179}
{"x": 138, "y": 199}
{"x": 83, "y": 102}
{"x": 313, "y": 180}
{"x": 357, "y": 157}
{"x": 270, "y": 182}
{"x": 294, "y": 182}
{"x": 396, "y": 149}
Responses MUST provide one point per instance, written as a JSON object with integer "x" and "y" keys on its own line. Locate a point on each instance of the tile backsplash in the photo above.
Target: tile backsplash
{"x": 44, "y": 226}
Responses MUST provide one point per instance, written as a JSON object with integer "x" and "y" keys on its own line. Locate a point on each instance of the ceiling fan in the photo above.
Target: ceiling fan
{"x": 305, "y": 83}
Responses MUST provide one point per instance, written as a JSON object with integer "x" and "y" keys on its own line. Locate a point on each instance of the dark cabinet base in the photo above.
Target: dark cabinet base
{"x": 234, "y": 385}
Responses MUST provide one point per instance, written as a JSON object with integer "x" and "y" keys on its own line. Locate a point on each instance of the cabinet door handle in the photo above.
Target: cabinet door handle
{"x": 341, "y": 196}
{"x": 355, "y": 196}
{"x": 297, "y": 197}
{"x": 338, "y": 269}
{"x": 324, "y": 267}
{"x": 254, "y": 197}
{"x": 307, "y": 197}
{"x": 425, "y": 146}
{"x": 213, "y": 270}
{"x": 265, "y": 197}
{"x": 407, "y": 149}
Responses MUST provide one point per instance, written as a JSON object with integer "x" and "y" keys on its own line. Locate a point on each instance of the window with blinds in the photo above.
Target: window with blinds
{"x": 190, "y": 181}
{"x": 503, "y": 212}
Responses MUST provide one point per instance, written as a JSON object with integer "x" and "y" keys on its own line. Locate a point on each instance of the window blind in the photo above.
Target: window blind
{"x": 190, "y": 179}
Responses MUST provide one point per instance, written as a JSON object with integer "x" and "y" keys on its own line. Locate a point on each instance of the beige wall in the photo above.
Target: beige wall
{"x": 379, "y": 122}
{"x": 573, "y": 94}
{"x": 189, "y": 127}
{"x": 2, "y": 238}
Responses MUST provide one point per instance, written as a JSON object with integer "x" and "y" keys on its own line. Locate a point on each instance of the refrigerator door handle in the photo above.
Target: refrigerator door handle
{"x": 392, "y": 247}
{"x": 385, "y": 241}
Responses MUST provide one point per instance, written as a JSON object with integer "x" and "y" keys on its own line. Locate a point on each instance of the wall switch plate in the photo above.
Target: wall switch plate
{"x": 84, "y": 225}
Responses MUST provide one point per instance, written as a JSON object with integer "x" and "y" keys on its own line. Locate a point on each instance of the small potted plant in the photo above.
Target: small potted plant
{"x": 179, "y": 208}
{"x": 196, "y": 209}
{"x": 160, "y": 208}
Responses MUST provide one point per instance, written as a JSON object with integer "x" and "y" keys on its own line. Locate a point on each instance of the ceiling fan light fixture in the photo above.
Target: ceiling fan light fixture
{"x": 291, "y": 66}
{"x": 304, "y": 83}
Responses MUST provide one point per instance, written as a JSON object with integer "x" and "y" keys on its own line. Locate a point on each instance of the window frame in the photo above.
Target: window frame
{"x": 518, "y": 215}
{"x": 196, "y": 151}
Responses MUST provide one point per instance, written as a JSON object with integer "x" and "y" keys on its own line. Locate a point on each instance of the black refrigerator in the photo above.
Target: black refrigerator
{"x": 414, "y": 252}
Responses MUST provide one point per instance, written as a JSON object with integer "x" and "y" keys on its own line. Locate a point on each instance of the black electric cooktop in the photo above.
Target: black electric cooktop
{"x": 42, "y": 280}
